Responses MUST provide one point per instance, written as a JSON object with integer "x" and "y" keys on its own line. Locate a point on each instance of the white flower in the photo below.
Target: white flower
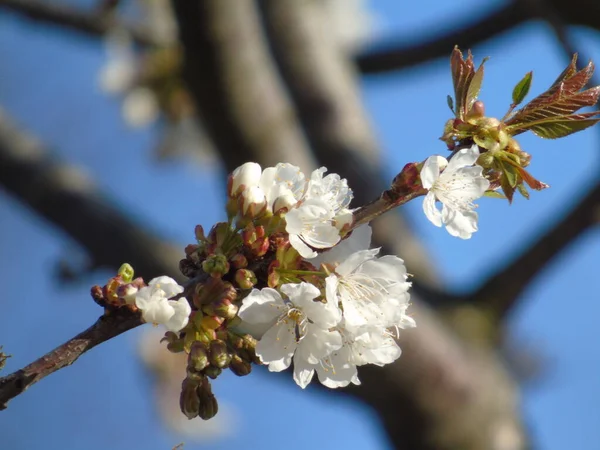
{"x": 331, "y": 189}
{"x": 456, "y": 187}
{"x": 181, "y": 316}
{"x": 365, "y": 345}
{"x": 311, "y": 225}
{"x": 301, "y": 326}
{"x": 246, "y": 176}
{"x": 283, "y": 184}
{"x": 372, "y": 291}
{"x": 322, "y": 212}
{"x": 153, "y": 301}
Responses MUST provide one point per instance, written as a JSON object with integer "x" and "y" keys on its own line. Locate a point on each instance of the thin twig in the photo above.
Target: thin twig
{"x": 105, "y": 328}
{"x": 72, "y": 18}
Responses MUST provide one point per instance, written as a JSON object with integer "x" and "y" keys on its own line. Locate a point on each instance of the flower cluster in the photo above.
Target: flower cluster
{"x": 315, "y": 210}
{"x": 347, "y": 318}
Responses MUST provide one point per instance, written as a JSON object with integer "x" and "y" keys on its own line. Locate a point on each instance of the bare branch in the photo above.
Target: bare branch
{"x": 502, "y": 290}
{"x": 64, "y": 196}
{"x": 235, "y": 85}
{"x": 105, "y": 328}
{"x": 403, "y": 54}
{"x": 71, "y": 18}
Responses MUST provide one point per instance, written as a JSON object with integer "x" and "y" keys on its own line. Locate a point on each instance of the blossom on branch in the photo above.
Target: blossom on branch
{"x": 153, "y": 301}
{"x": 301, "y": 326}
{"x": 456, "y": 184}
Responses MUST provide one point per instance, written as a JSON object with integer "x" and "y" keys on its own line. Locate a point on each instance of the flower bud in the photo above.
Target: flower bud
{"x": 189, "y": 401}
{"x": 244, "y": 177}
{"x": 216, "y": 265}
{"x": 284, "y": 203}
{"x": 239, "y": 367}
{"x": 222, "y": 308}
{"x": 212, "y": 372}
{"x": 126, "y": 273}
{"x": 217, "y": 236}
{"x": 127, "y": 292}
{"x": 211, "y": 322}
{"x": 245, "y": 279}
{"x": 218, "y": 355}
{"x": 252, "y": 203}
{"x": 477, "y": 110}
{"x": 198, "y": 357}
{"x": 98, "y": 295}
{"x": 249, "y": 342}
{"x": 208, "y": 292}
{"x": 238, "y": 261}
{"x": 208, "y": 402}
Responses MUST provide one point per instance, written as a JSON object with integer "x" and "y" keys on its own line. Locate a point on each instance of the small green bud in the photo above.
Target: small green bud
{"x": 208, "y": 402}
{"x": 126, "y": 272}
{"x": 222, "y": 308}
{"x": 198, "y": 357}
{"x": 239, "y": 367}
{"x": 189, "y": 400}
{"x": 212, "y": 372}
{"x": 245, "y": 279}
{"x": 239, "y": 261}
{"x": 216, "y": 265}
{"x": 218, "y": 355}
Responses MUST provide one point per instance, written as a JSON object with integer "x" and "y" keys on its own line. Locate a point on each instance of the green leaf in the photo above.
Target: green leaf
{"x": 474, "y": 87}
{"x": 521, "y": 90}
{"x": 561, "y": 127}
{"x": 523, "y": 191}
{"x": 450, "y": 102}
{"x": 508, "y": 190}
{"x": 510, "y": 173}
{"x": 494, "y": 194}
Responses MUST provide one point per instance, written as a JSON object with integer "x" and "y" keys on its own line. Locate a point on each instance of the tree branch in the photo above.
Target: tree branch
{"x": 502, "y": 290}
{"x": 235, "y": 85}
{"x": 404, "y": 53}
{"x": 71, "y": 18}
{"x": 105, "y": 328}
{"x": 64, "y": 196}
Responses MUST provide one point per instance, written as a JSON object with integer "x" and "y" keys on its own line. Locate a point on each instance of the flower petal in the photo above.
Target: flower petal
{"x": 261, "y": 306}
{"x": 463, "y": 158}
{"x": 278, "y": 345}
{"x": 431, "y": 170}
{"x": 460, "y": 224}
{"x": 430, "y": 209}
{"x": 303, "y": 372}
{"x": 304, "y": 250}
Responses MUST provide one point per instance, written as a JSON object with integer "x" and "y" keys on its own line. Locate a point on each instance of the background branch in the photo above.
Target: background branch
{"x": 65, "y": 197}
{"x": 71, "y": 18}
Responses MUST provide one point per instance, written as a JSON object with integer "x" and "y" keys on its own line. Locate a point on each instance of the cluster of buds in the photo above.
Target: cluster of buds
{"x": 550, "y": 115}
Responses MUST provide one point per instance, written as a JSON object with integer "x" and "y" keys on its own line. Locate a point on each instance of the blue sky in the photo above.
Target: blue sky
{"x": 50, "y": 85}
